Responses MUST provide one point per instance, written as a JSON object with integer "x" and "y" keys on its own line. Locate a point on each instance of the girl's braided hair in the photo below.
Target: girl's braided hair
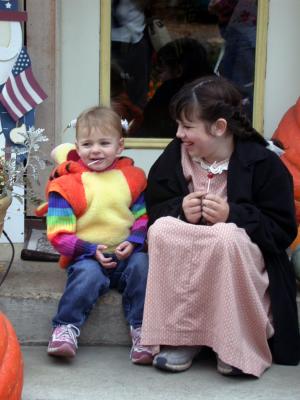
{"x": 210, "y": 98}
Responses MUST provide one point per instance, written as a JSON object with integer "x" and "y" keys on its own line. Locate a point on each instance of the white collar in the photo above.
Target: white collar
{"x": 215, "y": 168}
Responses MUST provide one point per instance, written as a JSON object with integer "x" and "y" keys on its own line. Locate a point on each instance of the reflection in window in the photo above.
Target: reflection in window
{"x": 131, "y": 48}
{"x": 237, "y": 23}
{"x": 159, "y": 45}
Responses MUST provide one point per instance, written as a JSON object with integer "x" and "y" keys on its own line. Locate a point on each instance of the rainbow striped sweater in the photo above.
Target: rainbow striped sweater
{"x": 87, "y": 208}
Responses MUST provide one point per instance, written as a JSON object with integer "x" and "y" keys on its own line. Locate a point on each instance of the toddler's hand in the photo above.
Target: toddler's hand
{"x": 214, "y": 208}
{"x": 191, "y": 206}
{"x": 106, "y": 262}
{"x": 124, "y": 250}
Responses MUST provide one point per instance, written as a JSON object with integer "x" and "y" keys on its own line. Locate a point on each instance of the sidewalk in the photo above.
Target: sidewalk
{"x": 100, "y": 371}
{"x": 106, "y": 373}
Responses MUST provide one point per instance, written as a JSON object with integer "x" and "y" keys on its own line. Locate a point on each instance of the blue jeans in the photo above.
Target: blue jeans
{"x": 88, "y": 280}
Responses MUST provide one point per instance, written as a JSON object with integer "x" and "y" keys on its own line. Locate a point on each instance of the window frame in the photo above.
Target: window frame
{"x": 259, "y": 81}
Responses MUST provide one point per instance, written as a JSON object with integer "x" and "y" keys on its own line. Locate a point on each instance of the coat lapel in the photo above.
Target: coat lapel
{"x": 240, "y": 171}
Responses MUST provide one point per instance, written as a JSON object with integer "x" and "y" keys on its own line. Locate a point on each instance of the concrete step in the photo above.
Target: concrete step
{"x": 29, "y": 297}
{"x": 105, "y": 372}
{"x": 30, "y": 294}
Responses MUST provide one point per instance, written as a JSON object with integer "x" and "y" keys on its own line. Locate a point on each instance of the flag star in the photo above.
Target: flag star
{"x": 8, "y": 5}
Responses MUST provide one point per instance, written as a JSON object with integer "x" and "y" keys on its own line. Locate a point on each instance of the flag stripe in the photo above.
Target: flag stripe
{"x": 12, "y": 101}
{"x": 35, "y": 84}
{"x": 9, "y": 96}
{"x": 21, "y": 92}
{"x": 24, "y": 93}
{"x": 9, "y": 106}
{"x": 33, "y": 88}
{"x": 19, "y": 96}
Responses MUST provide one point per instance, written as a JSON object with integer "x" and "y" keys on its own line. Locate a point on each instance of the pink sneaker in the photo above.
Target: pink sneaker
{"x": 140, "y": 354}
{"x": 63, "y": 342}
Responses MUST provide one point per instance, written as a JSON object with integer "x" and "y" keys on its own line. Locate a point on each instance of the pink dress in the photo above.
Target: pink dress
{"x": 208, "y": 285}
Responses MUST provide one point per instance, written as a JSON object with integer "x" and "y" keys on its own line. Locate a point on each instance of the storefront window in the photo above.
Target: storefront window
{"x": 157, "y": 46}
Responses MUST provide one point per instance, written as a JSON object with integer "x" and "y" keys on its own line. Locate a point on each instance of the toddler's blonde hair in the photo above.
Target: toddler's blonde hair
{"x": 99, "y": 117}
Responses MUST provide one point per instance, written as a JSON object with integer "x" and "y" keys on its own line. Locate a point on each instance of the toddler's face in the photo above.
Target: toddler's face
{"x": 98, "y": 151}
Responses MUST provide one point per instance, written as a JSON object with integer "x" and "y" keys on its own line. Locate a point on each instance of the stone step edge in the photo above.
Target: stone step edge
{"x": 111, "y": 298}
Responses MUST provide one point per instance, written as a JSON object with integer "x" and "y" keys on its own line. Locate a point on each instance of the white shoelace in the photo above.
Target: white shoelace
{"x": 136, "y": 338}
{"x": 67, "y": 333}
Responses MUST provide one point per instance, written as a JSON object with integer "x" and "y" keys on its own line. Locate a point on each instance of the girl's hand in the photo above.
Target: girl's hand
{"x": 191, "y": 206}
{"x": 214, "y": 208}
{"x": 124, "y": 250}
{"x": 106, "y": 262}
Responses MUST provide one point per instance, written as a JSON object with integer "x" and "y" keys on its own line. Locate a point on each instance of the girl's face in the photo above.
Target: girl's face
{"x": 197, "y": 139}
{"x": 212, "y": 143}
{"x": 98, "y": 151}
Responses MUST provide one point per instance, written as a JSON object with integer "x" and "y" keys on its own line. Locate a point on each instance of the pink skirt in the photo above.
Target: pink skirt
{"x": 208, "y": 285}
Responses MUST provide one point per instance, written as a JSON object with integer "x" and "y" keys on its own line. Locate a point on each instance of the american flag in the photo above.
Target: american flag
{"x": 21, "y": 92}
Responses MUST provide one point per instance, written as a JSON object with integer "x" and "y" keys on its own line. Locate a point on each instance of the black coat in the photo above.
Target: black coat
{"x": 260, "y": 197}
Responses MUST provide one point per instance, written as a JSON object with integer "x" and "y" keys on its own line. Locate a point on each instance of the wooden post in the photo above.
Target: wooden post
{"x": 41, "y": 38}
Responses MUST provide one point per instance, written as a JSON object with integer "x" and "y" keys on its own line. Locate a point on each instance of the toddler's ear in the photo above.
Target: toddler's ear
{"x": 121, "y": 146}
{"x": 64, "y": 152}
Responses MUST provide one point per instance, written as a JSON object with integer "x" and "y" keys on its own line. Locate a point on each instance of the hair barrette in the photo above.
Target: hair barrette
{"x": 71, "y": 124}
{"x": 125, "y": 124}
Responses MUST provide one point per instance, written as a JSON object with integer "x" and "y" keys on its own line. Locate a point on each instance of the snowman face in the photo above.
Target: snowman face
{"x": 10, "y": 47}
{"x": 4, "y": 33}
{"x": 10, "y": 39}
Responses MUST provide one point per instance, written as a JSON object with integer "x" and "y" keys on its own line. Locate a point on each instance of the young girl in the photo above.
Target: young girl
{"x": 97, "y": 222}
{"x": 222, "y": 214}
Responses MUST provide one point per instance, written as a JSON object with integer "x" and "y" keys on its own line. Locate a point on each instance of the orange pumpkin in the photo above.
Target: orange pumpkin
{"x": 288, "y": 132}
{"x": 296, "y": 242}
{"x": 11, "y": 362}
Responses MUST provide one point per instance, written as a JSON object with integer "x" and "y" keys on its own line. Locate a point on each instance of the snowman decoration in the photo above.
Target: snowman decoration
{"x": 20, "y": 93}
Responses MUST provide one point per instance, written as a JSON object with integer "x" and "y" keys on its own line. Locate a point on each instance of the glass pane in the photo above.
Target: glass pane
{"x": 159, "y": 45}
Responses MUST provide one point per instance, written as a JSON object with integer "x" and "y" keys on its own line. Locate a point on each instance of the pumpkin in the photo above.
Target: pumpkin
{"x": 288, "y": 132}
{"x": 296, "y": 242}
{"x": 11, "y": 362}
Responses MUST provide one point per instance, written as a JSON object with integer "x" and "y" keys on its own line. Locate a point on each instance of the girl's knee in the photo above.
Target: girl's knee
{"x": 227, "y": 233}
{"x": 161, "y": 228}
